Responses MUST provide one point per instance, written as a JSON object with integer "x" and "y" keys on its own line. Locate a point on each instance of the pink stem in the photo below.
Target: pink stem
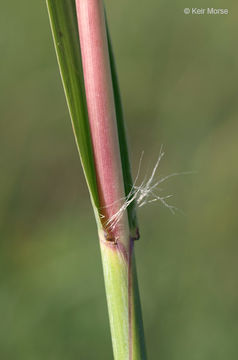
{"x": 101, "y": 111}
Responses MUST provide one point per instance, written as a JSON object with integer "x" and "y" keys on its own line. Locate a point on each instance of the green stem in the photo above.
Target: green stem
{"x": 123, "y": 301}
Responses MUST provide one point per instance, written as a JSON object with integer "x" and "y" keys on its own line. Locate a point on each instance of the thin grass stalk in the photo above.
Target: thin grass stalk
{"x": 116, "y": 243}
{"x": 102, "y": 114}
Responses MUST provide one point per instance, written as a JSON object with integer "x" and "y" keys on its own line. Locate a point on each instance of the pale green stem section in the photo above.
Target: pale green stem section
{"x": 116, "y": 282}
{"x": 123, "y": 302}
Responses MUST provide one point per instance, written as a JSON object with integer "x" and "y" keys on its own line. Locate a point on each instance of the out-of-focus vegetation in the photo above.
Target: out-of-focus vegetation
{"x": 178, "y": 75}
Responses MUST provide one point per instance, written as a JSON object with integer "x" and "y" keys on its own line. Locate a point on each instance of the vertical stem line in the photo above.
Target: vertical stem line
{"x": 138, "y": 348}
{"x": 101, "y": 112}
{"x": 130, "y": 298}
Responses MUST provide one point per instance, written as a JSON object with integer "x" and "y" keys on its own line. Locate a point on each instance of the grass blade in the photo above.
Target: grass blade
{"x": 63, "y": 21}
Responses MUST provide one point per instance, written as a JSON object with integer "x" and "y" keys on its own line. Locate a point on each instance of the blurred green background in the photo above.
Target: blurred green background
{"x": 179, "y": 81}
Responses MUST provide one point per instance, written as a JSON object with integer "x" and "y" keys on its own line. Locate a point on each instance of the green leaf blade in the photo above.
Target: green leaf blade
{"x": 63, "y": 21}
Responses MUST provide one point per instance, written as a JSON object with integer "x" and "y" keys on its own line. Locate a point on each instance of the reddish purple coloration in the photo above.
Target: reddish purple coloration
{"x": 101, "y": 111}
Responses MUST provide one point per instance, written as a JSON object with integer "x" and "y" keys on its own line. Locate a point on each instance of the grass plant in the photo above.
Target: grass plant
{"x": 87, "y": 68}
